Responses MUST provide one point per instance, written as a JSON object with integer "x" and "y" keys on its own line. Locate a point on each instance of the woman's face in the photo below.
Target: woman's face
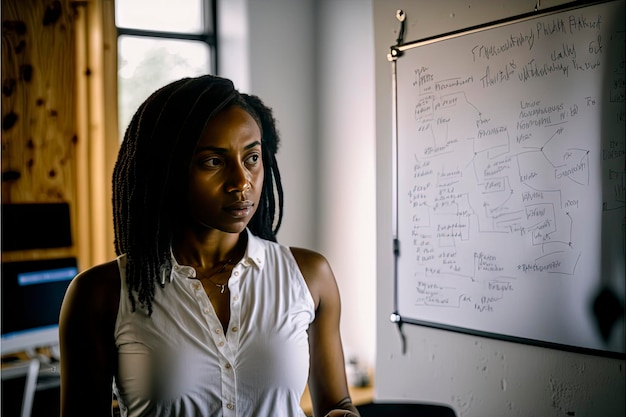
{"x": 226, "y": 175}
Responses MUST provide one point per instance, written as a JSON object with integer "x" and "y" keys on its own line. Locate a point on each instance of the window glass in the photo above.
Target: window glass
{"x": 185, "y": 16}
{"x": 146, "y": 64}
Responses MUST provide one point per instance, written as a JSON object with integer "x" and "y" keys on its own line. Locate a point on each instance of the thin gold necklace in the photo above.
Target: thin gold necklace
{"x": 222, "y": 287}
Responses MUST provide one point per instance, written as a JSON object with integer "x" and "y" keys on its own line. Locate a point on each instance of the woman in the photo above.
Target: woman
{"x": 202, "y": 313}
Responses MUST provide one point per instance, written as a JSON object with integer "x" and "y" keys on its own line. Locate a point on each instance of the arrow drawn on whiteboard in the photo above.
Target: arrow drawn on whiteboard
{"x": 507, "y": 199}
{"x": 571, "y": 226}
{"x": 471, "y": 104}
{"x": 544, "y": 149}
{"x": 558, "y": 132}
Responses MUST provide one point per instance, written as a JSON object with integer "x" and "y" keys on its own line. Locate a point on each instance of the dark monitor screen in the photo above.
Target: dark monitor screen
{"x": 28, "y": 226}
{"x": 32, "y": 294}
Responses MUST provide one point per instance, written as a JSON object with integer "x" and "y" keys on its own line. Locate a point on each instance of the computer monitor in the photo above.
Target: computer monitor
{"x": 32, "y": 294}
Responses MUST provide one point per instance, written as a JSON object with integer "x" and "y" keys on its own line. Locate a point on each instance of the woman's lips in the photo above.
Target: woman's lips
{"x": 240, "y": 209}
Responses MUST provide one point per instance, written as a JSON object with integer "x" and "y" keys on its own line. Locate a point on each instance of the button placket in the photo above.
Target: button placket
{"x": 229, "y": 390}
{"x": 215, "y": 333}
{"x": 211, "y": 320}
{"x": 226, "y": 344}
{"x": 235, "y": 306}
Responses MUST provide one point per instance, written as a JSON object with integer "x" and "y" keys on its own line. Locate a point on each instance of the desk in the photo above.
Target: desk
{"x": 48, "y": 376}
{"x": 359, "y": 395}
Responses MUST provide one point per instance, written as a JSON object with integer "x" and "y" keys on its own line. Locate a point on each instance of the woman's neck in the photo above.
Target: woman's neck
{"x": 209, "y": 249}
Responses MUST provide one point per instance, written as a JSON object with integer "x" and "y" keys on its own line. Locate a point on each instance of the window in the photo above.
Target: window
{"x": 160, "y": 41}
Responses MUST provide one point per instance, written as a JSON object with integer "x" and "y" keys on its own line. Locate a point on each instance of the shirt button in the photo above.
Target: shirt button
{"x": 218, "y": 331}
{"x": 235, "y": 328}
{"x": 235, "y": 297}
{"x": 221, "y": 344}
{"x": 230, "y": 406}
{"x": 236, "y": 273}
{"x": 207, "y": 311}
{"x": 228, "y": 366}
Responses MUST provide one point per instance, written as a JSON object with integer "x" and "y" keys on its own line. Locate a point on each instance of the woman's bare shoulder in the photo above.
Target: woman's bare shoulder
{"x": 317, "y": 273}
{"x": 96, "y": 288}
{"x": 100, "y": 277}
{"x": 309, "y": 259}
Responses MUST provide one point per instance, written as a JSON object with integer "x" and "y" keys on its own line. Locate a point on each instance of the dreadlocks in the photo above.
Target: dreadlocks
{"x": 152, "y": 167}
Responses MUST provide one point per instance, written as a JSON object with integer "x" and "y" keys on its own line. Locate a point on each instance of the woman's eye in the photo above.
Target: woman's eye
{"x": 212, "y": 162}
{"x": 253, "y": 159}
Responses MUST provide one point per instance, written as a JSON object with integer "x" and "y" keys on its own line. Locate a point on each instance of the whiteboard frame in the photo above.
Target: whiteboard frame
{"x": 396, "y": 52}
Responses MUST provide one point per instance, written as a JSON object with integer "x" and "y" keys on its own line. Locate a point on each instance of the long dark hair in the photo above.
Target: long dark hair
{"x": 151, "y": 171}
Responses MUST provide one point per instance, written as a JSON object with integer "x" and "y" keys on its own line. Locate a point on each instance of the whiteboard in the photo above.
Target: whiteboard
{"x": 509, "y": 182}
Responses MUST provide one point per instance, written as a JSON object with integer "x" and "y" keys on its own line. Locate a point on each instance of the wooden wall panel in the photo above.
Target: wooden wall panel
{"x": 38, "y": 105}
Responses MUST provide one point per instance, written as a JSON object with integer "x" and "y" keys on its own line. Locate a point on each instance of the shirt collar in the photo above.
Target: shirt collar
{"x": 254, "y": 255}
{"x": 255, "y": 251}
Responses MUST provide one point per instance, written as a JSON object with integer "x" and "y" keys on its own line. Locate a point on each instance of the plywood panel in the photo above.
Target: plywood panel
{"x": 38, "y": 104}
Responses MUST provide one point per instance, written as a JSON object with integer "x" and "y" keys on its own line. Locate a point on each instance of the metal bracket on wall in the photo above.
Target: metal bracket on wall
{"x": 394, "y": 53}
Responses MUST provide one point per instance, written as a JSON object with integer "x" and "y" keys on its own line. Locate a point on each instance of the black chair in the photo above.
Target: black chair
{"x": 388, "y": 409}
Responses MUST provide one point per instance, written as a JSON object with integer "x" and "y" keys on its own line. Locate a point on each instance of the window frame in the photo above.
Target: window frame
{"x": 208, "y": 36}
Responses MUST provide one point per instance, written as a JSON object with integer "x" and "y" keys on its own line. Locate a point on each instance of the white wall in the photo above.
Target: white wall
{"x": 282, "y": 73}
{"x": 233, "y": 38}
{"x": 267, "y": 47}
{"x": 346, "y": 169}
{"x": 476, "y": 376}
{"x": 299, "y": 57}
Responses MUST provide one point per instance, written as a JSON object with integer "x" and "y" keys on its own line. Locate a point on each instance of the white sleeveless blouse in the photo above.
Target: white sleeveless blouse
{"x": 179, "y": 362}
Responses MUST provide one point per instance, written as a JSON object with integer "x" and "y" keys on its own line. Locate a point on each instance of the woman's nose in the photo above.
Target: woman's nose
{"x": 238, "y": 179}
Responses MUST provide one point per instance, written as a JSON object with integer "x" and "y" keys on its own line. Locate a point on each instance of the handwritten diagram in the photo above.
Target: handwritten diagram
{"x": 510, "y": 157}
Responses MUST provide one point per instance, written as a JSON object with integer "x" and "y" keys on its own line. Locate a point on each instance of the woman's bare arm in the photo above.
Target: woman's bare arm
{"x": 327, "y": 377}
{"x": 88, "y": 354}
